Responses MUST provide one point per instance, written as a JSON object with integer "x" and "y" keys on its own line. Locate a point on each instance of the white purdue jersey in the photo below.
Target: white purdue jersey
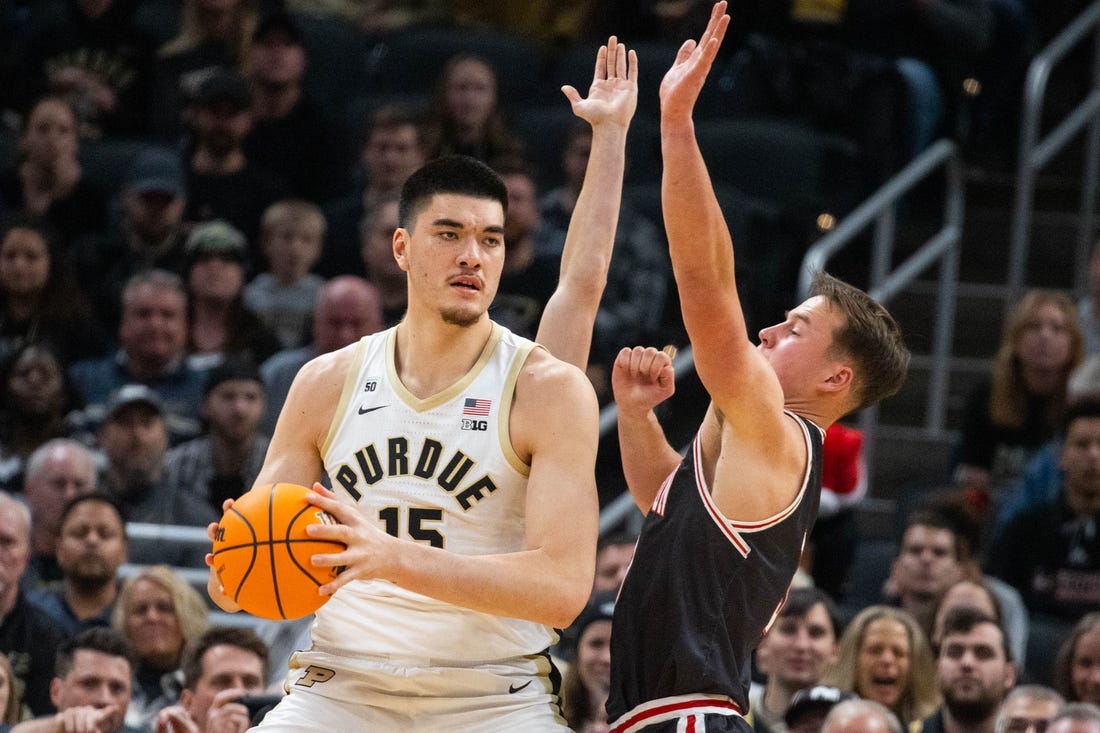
{"x": 439, "y": 470}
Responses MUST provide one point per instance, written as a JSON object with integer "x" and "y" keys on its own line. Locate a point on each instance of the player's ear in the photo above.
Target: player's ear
{"x": 400, "y": 247}
{"x": 839, "y": 379}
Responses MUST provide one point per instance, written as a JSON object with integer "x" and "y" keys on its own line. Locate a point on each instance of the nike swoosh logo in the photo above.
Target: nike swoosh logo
{"x": 365, "y": 410}
{"x": 512, "y": 689}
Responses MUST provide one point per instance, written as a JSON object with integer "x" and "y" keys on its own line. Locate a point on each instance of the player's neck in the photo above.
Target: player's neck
{"x": 432, "y": 356}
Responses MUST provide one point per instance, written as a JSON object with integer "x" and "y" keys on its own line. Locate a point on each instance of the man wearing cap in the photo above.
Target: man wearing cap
{"x": 291, "y": 135}
{"x": 222, "y": 464}
{"x": 152, "y": 335}
{"x": 222, "y": 183}
{"x": 810, "y": 706}
{"x": 221, "y": 324}
{"x": 974, "y": 672}
{"x": 149, "y": 233}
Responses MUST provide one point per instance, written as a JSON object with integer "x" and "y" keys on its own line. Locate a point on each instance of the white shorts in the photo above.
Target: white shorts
{"x": 329, "y": 692}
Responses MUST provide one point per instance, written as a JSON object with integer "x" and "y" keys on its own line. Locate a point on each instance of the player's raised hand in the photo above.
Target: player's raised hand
{"x": 683, "y": 82}
{"x": 642, "y": 378}
{"x": 369, "y": 552}
{"x": 613, "y": 96}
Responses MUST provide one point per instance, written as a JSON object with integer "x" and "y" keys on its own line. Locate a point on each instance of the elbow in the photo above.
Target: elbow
{"x": 570, "y": 598}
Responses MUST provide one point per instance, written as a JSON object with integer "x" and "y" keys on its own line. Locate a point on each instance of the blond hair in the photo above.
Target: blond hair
{"x": 291, "y": 212}
{"x": 920, "y": 697}
{"x": 1008, "y": 400}
{"x": 191, "y": 33}
{"x": 191, "y": 610}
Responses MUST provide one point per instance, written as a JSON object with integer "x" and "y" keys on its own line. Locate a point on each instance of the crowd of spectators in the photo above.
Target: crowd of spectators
{"x": 197, "y": 198}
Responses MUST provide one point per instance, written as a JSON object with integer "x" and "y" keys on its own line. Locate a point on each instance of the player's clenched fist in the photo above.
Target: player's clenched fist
{"x": 642, "y": 378}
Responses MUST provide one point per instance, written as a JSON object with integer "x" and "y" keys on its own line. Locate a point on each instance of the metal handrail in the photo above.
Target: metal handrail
{"x": 1036, "y": 153}
{"x": 943, "y": 247}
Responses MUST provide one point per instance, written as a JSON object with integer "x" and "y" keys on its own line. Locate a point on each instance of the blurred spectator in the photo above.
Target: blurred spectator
{"x": 134, "y": 439}
{"x": 394, "y": 149}
{"x": 57, "y": 472}
{"x": 224, "y": 664}
{"x": 221, "y": 325}
{"x": 378, "y": 15}
{"x": 809, "y": 707}
{"x": 285, "y": 295}
{"x": 885, "y": 657}
{"x": 939, "y": 547}
{"x": 38, "y": 402}
{"x": 637, "y": 281}
{"x": 223, "y": 463}
{"x": 28, "y": 635}
{"x": 793, "y": 656}
{"x": 213, "y": 35}
{"x": 40, "y": 300}
{"x": 974, "y": 671}
{"x": 291, "y": 135}
{"x": 11, "y": 695}
{"x": 613, "y": 555}
{"x": 91, "y": 549}
{"x": 1077, "y": 669}
{"x": 1051, "y": 552}
{"x": 152, "y": 337}
{"x": 222, "y": 182}
{"x": 1076, "y": 717}
{"x": 91, "y": 686}
{"x": 1042, "y": 477}
{"x": 527, "y": 281}
{"x": 159, "y": 614}
{"x": 1009, "y": 417}
{"x": 465, "y": 115}
{"x": 348, "y": 309}
{"x": 149, "y": 234}
{"x": 96, "y": 57}
{"x": 587, "y": 682}
{"x": 1027, "y": 708}
{"x": 861, "y": 716}
{"x": 972, "y": 594}
{"x": 1088, "y": 307}
{"x": 48, "y": 180}
{"x": 376, "y": 231}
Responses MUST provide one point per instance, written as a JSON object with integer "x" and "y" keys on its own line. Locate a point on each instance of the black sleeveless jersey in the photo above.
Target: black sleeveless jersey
{"x": 703, "y": 590}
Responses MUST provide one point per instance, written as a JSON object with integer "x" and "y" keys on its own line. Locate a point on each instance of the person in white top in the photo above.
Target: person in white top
{"x": 459, "y": 564}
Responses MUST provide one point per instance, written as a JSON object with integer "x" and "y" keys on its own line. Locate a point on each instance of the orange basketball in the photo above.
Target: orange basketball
{"x": 262, "y": 552}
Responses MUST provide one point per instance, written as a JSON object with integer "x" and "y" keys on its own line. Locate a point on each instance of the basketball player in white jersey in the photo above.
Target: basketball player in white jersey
{"x": 725, "y": 525}
{"x": 461, "y": 458}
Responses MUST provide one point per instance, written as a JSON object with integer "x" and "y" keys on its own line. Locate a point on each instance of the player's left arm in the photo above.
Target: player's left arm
{"x": 554, "y": 424}
{"x": 567, "y": 320}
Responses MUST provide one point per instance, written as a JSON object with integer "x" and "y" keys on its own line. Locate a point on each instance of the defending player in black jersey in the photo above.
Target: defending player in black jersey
{"x": 726, "y": 525}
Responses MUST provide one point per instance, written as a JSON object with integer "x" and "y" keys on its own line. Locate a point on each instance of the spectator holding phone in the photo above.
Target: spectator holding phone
{"x": 223, "y": 666}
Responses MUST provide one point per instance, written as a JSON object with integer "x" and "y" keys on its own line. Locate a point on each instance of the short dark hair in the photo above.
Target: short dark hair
{"x": 950, "y": 517}
{"x": 870, "y": 336}
{"x": 92, "y": 496}
{"x": 1082, "y": 408}
{"x": 963, "y": 619}
{"x": 455, "y": 174}
{"x": 801, "y": 600}
{"x": 241, "y": 637}
{"x": 102, "y": 639}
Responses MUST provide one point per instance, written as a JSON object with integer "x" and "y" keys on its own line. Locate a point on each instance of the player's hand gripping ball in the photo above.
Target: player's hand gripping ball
{"x": 262, "y": 552}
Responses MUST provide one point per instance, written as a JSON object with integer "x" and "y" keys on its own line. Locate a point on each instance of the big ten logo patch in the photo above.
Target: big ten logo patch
{"x": 476, "y": 425}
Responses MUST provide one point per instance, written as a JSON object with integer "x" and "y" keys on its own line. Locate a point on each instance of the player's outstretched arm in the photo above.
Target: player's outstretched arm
{"x": 567, "y": 321}
{"x": 554, "y": 423}
{"x": 641, "y": 379}
{"x": 701, "y": 249}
